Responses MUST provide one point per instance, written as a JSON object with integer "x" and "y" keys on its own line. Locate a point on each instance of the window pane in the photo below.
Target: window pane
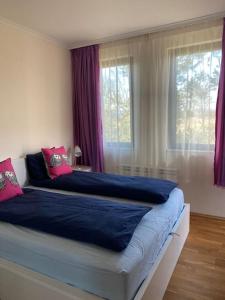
{"x": 193, "y": 99}
{"x": 116, "y": 104}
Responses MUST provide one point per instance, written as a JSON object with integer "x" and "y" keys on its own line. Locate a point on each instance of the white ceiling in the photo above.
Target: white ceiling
{"x": 80, "y": 22}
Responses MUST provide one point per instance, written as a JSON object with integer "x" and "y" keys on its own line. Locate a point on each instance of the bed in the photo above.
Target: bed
{"x": 142, "y": 271}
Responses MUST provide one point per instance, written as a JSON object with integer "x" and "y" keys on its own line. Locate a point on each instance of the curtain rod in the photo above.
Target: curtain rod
{"x": 165, "y": 27}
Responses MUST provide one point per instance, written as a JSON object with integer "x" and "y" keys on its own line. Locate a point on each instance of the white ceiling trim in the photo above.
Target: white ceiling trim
{"x": 36, "y": 33}
{"x": 151, "y": 30}
{"x": 60, "y": 44}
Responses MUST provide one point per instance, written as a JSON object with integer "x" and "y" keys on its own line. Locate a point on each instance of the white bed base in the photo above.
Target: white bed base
{"x": 19, "y": 283}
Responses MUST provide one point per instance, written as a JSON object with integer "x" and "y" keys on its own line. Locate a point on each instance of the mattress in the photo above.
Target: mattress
{"x": 110, "y": 275}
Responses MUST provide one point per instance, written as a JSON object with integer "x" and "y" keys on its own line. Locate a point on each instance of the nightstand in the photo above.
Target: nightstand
{"x": 81, "y": 168}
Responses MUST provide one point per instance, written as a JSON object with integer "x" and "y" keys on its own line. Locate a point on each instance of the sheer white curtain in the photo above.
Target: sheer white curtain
{"x": 158, "y": 100}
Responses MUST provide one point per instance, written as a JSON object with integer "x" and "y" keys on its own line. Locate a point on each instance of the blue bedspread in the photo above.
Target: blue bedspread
{"x": 130, "y": 187}
{"x": 101, "y": 222}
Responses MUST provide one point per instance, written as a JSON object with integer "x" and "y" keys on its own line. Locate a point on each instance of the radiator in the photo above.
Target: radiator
{"x": 163, "y": 173}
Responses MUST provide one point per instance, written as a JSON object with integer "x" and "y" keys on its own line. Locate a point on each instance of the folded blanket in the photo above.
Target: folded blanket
{"x": 101, "y": 222}
{"x": 130, "y": 187}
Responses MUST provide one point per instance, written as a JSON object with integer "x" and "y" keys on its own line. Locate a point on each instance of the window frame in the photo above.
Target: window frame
{"x": 128, "y": 60}
{"x": 172, "y": 145}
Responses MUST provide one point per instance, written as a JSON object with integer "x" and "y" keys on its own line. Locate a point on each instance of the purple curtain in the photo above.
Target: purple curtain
{"x": 219, "y": 159}
{"x": 87, "y": 106}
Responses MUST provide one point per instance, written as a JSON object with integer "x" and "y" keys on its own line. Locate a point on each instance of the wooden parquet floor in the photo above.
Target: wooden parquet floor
{"x": 200, "y": 272}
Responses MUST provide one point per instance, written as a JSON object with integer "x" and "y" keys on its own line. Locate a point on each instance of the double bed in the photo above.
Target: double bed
{"x": 60, "y": 268}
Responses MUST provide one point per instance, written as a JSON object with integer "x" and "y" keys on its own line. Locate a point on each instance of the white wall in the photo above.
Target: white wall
{"x": 199, "y": 190}
{"x": 35, "y": 93}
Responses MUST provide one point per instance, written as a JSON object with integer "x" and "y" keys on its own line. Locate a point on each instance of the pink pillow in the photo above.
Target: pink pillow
{"x": 9, "y": 186}
{"x": 56, "y": 160}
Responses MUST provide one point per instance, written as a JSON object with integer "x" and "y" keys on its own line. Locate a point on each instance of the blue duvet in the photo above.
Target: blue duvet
{"x": 101, "y": 222}
{"x": 130, "y": 187}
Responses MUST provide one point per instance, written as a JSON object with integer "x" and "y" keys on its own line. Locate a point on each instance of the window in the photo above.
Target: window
{"x": 194, "y": 76}
{"x": 117, "y": 102}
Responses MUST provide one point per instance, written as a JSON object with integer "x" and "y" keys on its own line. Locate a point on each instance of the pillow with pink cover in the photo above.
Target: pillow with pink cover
{"x": 9, "y": 186}
{"x": 57, "y": 162}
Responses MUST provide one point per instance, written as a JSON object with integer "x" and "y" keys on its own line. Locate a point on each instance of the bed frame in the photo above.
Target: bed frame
{"x": 19, "y": 283}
